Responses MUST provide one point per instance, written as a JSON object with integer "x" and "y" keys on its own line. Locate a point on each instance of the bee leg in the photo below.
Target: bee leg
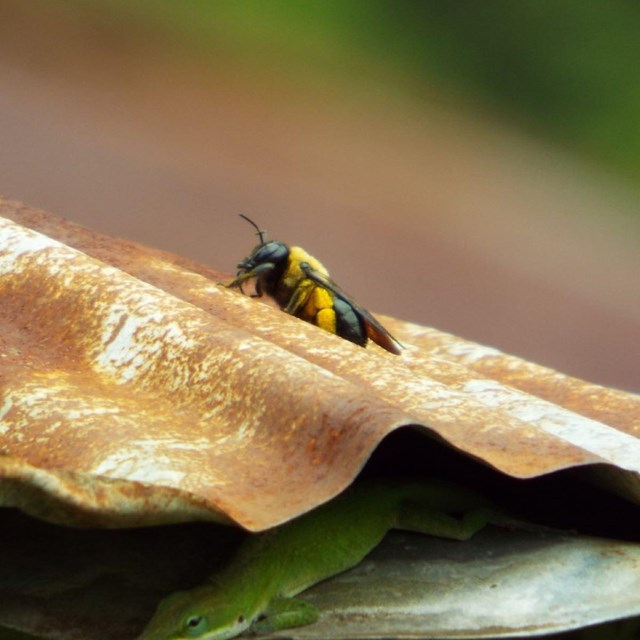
{"x": 299, "y": 297}
{"x": 238, "y": 282}
{"x": 247, "y": 275}
{"x": 258, "y": 293}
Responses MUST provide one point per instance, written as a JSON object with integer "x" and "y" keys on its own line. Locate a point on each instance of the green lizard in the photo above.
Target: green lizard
{"x": 255, "y": 591}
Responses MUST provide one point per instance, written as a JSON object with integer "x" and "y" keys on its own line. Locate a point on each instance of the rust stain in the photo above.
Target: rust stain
{"x": 124, "y": 366}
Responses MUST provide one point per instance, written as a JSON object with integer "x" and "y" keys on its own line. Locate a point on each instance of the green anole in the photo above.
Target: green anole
{"x": 255, "y": 591}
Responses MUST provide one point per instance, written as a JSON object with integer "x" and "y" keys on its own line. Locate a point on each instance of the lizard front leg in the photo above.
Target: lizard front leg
{"x": 284, "y": 613}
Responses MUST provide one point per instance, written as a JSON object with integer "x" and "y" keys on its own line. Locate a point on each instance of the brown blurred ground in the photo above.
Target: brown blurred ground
{"x": 447, "y": 220}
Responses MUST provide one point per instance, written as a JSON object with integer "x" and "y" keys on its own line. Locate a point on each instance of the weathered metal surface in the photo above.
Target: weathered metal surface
{"x": 496, "y": 585}
{"x": 135, "y": 390}
{"x": 613, "y": 407}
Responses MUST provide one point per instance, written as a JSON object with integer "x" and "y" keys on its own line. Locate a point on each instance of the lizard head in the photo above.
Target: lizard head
{"x": 202, "y": 613}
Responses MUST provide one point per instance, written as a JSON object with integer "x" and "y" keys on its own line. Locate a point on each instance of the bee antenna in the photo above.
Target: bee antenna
{"x": 261, "y": 233}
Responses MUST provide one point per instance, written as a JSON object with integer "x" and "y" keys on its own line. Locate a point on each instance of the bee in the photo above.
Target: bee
{"x": 301, "y": 286}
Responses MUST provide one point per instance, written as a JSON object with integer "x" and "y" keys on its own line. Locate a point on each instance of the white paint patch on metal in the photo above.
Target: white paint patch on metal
{"x": 130, "y": 464}
{"x": 16, "y": 241}
{"x": 471, "y": 352}
{"x": 616, "y": 446}
{"x": 4, "y": 409}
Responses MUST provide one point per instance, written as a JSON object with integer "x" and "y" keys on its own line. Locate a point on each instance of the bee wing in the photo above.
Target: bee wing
{"x": 375, "y": 331}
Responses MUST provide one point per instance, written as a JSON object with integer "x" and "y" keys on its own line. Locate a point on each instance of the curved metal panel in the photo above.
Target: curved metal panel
{"x": 123, "y": 364}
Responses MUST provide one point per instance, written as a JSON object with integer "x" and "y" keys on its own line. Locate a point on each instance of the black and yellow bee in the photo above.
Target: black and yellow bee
{"x": 301, "y": 286}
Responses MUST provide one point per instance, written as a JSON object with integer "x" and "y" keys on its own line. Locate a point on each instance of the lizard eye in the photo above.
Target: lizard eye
{"x": 196, "y": 625}
{"x": 240, "y": 619}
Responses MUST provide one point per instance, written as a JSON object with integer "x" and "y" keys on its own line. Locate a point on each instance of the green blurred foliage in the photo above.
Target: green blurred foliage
{"x": 561, "y": 68}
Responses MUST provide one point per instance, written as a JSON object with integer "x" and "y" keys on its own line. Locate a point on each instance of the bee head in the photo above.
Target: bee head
{"x": 273, "y": 251}
{"x": 266, "y": 252}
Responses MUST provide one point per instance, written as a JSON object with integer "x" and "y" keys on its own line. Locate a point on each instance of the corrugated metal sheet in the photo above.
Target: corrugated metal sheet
{"x": 497, "y": 585}
{"x": 134, "y": 390}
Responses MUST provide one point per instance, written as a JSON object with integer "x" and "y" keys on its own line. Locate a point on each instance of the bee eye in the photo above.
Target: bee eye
{"x": 271, "y": 252}
{"x": 196, "y": 625}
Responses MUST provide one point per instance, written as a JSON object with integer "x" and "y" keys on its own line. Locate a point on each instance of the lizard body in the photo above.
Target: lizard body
{"x": 255, "y": 591}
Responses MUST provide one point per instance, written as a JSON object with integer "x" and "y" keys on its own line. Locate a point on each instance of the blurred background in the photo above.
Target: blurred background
{"x": 467, "y": 165}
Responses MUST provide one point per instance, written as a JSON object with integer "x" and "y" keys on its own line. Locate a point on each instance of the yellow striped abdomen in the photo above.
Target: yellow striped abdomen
{"x": 319, "y": 309}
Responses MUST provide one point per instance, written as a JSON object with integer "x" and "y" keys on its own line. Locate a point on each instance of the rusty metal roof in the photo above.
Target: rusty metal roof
{"x": 135, "y": 390}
